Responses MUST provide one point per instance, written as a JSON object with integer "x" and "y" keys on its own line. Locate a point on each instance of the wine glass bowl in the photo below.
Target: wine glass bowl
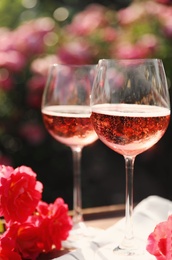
{"x": 67, "y": 101}
{"x": 73, "y": 131}
{"x": 130, "y": 113}
{"x": 66, "y": 114}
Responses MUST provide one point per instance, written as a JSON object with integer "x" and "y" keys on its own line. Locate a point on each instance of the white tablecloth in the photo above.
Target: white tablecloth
{"x": 147, "y": 214}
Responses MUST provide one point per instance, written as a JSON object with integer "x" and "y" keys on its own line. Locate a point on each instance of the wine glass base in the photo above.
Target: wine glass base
{"x": 80, "y": 236}
{"x": 129, "y": 247}
{"x": 128, "y": 252}
{"x": 116, "y": 253}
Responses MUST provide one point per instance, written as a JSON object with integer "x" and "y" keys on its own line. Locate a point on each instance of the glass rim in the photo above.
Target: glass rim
{"x": 53, "y": 65}
{"x": 134, "y": 60}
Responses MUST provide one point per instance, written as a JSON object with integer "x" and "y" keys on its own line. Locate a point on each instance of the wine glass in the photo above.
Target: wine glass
{"x": 66, "y": 114}
{"x": 130, "y": 113}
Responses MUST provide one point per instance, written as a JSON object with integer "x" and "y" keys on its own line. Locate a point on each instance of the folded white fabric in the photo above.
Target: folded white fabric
{"x": 147, "y": 214}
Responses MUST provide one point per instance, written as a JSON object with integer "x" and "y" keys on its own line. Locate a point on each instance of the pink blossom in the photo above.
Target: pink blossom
{"x": 6, "y": 40}
{"x": 153, "y": 8}
{"x": 35, "y": 87}
{"x": 40, "y": 66}
{"x": 109, "y": 34}
{"x": 143, "y": 48}
{"x": 29, "y": 37}
{"x": 129, "y": 51}
{"x": 159, "y": 241}
{"x": 168, "y": 28}
{"x": 130, "y": 14}
{"x": 12, "y": 60}
{"x": 166, "y": 20}
{"x": 149, "y": 42}
{"x": 19, "y": 193}
{"x": 75, "y": 52}
{"x": 6, "y": 80}
{"x": 87, "y": 21}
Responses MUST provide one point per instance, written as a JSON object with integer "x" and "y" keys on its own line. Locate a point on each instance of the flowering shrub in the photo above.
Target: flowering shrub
{"x": 141, "y": 30}
{"x": 160, "y": 240}
{"x": 32, "y": 226}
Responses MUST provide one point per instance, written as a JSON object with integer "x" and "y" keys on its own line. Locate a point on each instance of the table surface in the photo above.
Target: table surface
{"x": 99, "y": 217}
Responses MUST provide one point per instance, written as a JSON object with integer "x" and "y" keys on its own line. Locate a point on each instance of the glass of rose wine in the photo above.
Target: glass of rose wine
{"x": 66, "y": 114}
{"x": 130, "y": 113}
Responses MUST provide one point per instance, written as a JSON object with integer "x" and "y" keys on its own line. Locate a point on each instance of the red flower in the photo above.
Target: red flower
{"x": 7, "y": 249}
{"x": 160, "y": 240}
{"x": 26, "y": 238}
{"x": 32, "y": 226}
{"x": 19, "y": 193}
{"x": 28, "y": 241}
{"x": 56, "y": 224}
{"x": 60, "y": 222}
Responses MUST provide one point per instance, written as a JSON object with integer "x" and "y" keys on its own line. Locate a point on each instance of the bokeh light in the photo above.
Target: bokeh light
{"x": 61, "y": 14}
{"x": 29, "y": 3}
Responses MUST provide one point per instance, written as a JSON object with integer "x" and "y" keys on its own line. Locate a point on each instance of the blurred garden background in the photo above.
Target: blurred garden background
{"x": 36, "y": 33}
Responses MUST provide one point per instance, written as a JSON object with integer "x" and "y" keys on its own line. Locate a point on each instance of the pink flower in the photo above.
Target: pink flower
{"x": 131, "y": 14}
{"x": 88, "y": 21}
{"x": 6, "y": 40}
{"x": 6, "y": 80}
{"x": 130, "y": 51}
{"x": 29, "y": 37}
{"x": 35, "y": 89}
{"x": 19, "y": 193}
{"x": 75, "y": 52}
{"x": 160, "y": 241}
{"x": 40, "y": 66}
{"x": 143, "y": 48}
{"x": 109, "y": 34}
{"x": 12, "y": 60}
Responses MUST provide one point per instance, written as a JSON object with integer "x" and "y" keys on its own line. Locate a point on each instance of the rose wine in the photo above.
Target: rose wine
{"x": 70, "y": 125}
{"x": 129, "y": 129}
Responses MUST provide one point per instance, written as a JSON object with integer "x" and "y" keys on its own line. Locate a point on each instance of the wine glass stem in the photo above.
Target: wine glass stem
{"x": 77, "y": 199}
{"x": 129, "y": 237}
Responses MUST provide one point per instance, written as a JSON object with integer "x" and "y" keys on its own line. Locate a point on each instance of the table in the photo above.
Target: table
{"x": 99, "y": 217}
